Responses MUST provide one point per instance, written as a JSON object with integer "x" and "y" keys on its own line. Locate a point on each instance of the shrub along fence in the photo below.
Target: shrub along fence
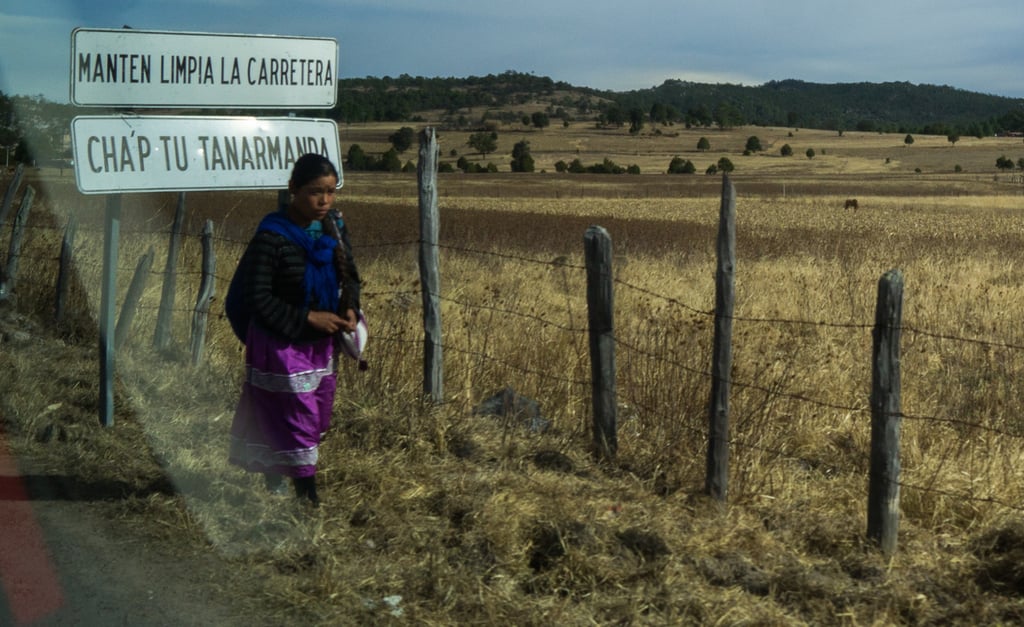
{"x": 884, "y": 480}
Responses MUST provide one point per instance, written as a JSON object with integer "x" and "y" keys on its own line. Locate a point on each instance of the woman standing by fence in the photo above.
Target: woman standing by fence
{"x": 289, "y": 279}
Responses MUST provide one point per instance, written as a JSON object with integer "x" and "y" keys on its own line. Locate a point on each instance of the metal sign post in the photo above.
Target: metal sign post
{"x": 111, "y": 231}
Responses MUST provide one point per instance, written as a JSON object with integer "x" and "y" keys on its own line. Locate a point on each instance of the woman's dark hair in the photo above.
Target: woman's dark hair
{"x": 310, "y": 167}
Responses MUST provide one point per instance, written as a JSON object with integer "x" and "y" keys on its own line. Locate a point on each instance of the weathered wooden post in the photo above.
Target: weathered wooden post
{"x": 200, "y": 315}
{"x": 10, "y": 274}
{"x": 162, "y": 335}
{"x": 12, "y": 190}
{"x": 884, "y": 473}
{"x": 131, "y": 299}
{"x": 597, "y": 245}
{"x": 717, "y": 473}
{"x": 67, "y": 247}
{"x": 430, "y": 274}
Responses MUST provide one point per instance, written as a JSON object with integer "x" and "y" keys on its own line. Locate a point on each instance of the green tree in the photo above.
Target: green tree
{"x": 483, "y": 142}
{"x": 540, "y": 119}
{"x": 522, "y": 161}
{"x": 725, "y": 165}
{"x": 908, "y": 140}
{"x": 356, "y": 158}
{"x": 810, "y": 153}
{"x": 678, "y": 165}
{"x": 953, "y": 138}
{"x": 1004, "y": 163}
{"x": 390, "y": 161}
{"x": 636, "y": 120}
{"x": 699, "y": 116}
{"x": 703, "y": 144}
{"x": 615, "y": 116}
{"x": 754, "y": 144}
{"x": 402, "y": 139}
{"x": 728, "y": 116}
{"x": 787, "y": 150}
{"x": 659, "y": 113}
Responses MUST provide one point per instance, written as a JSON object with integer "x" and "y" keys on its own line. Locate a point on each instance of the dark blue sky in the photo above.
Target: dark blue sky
{"x": 595, "y": 43}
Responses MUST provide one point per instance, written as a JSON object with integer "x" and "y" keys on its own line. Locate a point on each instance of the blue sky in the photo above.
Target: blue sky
{"x": 977, "y": 46}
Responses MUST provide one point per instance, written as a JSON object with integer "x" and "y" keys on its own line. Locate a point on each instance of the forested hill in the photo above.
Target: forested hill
{"x": 893, "y": 106}
{"x": 36, "y": 127}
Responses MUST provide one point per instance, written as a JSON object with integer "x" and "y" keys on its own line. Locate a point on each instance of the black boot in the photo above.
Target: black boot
{"x": 305, "y": 487}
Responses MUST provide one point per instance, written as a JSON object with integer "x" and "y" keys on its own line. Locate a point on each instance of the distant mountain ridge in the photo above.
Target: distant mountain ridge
{"x": 889, "y": 106}
{"x": 870, "y": 106}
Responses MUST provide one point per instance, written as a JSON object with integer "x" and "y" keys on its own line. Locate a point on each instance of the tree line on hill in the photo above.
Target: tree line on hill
{"x": 32, "y": 128}
{"x": 869, "y": 107}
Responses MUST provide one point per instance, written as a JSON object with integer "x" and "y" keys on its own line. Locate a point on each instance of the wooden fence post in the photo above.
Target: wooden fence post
{"x": 10, "y": 275}
{"x": 162, "y": 335}
{"x": 430, "y": 274}
{"x": 597, "y": 245}
{"x": 200, "y": 314}
{"x": 717, "y": 473}
{"x": 12, "y": 189}
{"x": 884, "y": 474}
{"x": 67, "y": 247}
{"x": 131, "y": 299}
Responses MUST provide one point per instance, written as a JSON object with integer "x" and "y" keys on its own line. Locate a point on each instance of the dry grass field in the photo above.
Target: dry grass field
{"x": 435, "y": 514}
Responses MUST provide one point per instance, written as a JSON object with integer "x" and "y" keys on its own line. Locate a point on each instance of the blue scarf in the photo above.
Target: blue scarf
{"x": 320, "y": 279}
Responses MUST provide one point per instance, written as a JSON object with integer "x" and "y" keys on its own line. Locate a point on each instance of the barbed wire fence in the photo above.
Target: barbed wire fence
{"x": 640, "y": 406}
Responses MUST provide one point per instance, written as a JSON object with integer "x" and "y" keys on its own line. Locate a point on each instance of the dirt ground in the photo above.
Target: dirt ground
{"x": 105, "y": 573}
{"x": 68, "y": 556}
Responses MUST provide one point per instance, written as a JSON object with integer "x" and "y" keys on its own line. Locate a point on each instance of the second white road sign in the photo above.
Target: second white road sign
{"x": 115, "y": 154}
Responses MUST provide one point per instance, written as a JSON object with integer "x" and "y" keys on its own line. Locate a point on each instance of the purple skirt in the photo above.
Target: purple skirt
{"x": 285, "y": 407}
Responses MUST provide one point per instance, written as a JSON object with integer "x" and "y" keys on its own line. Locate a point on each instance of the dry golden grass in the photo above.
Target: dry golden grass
{"x": 434, "y": 515}
{"x": 849, "y": 153}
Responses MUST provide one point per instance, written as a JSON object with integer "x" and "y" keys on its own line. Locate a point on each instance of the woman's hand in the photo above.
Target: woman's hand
{"x": 329, "y": 322}
{"x": 350, "y": 321}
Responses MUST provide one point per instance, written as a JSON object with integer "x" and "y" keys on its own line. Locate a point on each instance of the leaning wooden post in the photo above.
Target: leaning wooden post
{"x": 12, "y": 189}
{"x": 162, "y": 335}
{"x": 10, "y": 275}
{"x": 717, "y": 472}
{"x": 67, "y": 247}
{"x": 597, "y": 245}
{"x": 131, "y": 299}
{"x": 200, "y": 315}
{"x": 884, "y": 473}
{"x": 430, "y": 274}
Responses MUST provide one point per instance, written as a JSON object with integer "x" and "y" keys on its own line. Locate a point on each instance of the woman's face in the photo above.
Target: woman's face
{"x": 313, "y": 200}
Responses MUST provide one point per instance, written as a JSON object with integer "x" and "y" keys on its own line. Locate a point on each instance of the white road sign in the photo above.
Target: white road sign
{"x": 116, "y": 154}
{"x": 140, "y": 69}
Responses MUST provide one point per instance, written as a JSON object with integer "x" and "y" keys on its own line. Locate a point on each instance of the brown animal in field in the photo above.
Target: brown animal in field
{"x": 851, "y": 203}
